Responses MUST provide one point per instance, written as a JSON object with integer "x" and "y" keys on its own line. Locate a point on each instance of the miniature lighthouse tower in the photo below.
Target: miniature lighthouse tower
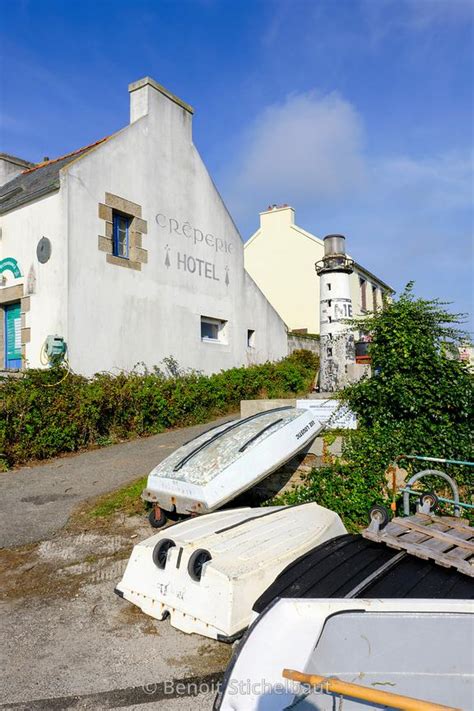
{"x": 337, "y": 342}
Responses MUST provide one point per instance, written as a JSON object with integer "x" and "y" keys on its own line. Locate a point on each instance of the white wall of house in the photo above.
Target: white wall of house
{"x": 149, "y": 314}
{"x": 114, "y": 317}
{"x": 45, "y": 284}
{"x": 280, "y": 257}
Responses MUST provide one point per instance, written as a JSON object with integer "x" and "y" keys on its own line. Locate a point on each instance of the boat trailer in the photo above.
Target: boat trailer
{"x": 428, "y": 501}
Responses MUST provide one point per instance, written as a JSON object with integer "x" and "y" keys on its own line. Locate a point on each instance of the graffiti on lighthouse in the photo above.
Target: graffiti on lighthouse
{"x": 337, "y": 342}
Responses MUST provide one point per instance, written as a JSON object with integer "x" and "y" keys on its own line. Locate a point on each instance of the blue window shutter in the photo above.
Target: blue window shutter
{"x": 13, "y": 336}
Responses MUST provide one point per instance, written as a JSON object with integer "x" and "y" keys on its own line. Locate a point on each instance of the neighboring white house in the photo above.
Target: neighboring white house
{"x": 280, "y": 257}
{"x": 126, "y": 250}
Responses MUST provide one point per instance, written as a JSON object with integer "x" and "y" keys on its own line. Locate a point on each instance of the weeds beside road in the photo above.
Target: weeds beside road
{"x": 38, "y": 421}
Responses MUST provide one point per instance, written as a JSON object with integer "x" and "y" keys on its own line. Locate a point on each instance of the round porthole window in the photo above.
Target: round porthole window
{"x": 43, "y": 250}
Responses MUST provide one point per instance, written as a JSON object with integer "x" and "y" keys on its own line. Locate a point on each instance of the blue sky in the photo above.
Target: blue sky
{"x": 359, "y": 113}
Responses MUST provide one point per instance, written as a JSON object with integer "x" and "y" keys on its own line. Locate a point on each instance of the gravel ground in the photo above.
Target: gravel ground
{"x": 69, "y": 643}
{"x": 66, "y": 641}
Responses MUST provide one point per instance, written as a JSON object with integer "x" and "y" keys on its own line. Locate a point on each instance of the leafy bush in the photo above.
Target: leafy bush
{"x": 44, "y": 414}
{"x": 417, "y": 401}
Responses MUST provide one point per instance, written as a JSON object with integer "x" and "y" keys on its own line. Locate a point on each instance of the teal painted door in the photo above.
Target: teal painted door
{"x": 13, "y": 336}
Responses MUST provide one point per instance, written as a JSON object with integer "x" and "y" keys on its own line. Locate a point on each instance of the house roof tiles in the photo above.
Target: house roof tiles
{"x": 38, "y": 180}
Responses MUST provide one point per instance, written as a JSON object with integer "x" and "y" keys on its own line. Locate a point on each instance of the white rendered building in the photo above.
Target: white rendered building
{"x": 126, "y": 250}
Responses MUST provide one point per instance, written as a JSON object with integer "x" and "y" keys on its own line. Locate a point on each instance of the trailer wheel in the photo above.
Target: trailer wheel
{"x": 431, "y": 499}
{"x": 160, "y": 552}
{"x": 196, "y": 563}
{"x": 157, "y": 517}
{"x": 380, "y": 515}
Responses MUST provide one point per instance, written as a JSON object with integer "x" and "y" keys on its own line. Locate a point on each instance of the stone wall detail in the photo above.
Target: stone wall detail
{"x": 297, "y": 342}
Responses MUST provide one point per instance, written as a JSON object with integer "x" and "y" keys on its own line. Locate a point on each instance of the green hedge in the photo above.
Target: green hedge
{"x": 41, "y": 417}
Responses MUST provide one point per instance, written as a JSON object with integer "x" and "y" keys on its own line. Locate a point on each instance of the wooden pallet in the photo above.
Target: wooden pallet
{"x": 447, "y": 540}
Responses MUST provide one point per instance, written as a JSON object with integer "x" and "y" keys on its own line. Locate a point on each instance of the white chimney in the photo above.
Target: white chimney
{"x": 147, "y": 96}
{"x": 277, "y": 214}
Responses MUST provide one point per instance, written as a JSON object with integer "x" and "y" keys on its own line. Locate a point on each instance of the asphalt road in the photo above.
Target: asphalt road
{"x": 37, "y": 501}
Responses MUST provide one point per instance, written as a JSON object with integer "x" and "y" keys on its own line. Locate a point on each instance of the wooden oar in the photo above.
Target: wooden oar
{"x": 355, "y": 691}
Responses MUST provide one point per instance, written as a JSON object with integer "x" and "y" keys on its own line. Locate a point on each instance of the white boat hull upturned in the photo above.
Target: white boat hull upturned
{"x": 207, "y": 572}
{"x": 416, "y": 648}
{"x": 218, "y": 465}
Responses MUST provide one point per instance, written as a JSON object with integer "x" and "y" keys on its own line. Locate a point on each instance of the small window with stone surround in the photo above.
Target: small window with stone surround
{"x": 123, "y": 231}
{"x": 121, "y": 227}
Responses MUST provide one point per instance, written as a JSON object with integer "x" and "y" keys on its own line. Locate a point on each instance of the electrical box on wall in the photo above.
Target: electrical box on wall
{"x": 55, "y": 348}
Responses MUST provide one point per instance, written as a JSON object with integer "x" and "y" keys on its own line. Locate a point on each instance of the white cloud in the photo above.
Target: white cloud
{"x": 308, "y": 151}
{"x": 406, "y": 217}
{"x": 12, "y": 123}
{"x": 388, "y": 17}
{"x": 439, "y": 183}
{"x": 307, "y": 148}
{"x": 424, "y": 13}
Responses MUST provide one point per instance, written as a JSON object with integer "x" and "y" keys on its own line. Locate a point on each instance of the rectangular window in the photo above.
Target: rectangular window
{"x": 374, "y": 298}
{"x": 363, "y": 294}
{"x": 213, "y": 330}
{"x": 250, "y": 338}
{"x": 121, "y": 224}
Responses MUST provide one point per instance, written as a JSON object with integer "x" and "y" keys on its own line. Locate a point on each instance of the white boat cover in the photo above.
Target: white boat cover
{"x": 417, "y": 648}
{"x": 247, "y": 548}
{"x": 218, "y": 465}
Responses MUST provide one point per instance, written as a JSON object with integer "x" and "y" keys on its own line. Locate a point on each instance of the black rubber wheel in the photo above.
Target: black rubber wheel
{"x": 196, "y": 563}
{"x": 154, "y": 521}
{"x": 430, "y": 498}
{"x": 380, "y": 514}
{"x": 160, "y": 552}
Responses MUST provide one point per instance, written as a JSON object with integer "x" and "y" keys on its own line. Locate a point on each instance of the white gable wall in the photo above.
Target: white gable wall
{"x": 280, "y": 258}
{"x": 117, "y": 316}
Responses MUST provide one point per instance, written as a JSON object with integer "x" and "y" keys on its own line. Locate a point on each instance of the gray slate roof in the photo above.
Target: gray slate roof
{"x": 33, "y": 184}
